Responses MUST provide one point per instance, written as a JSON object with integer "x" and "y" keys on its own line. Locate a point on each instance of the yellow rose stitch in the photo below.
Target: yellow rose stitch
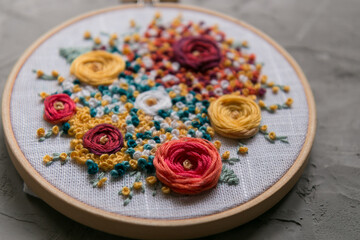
{"x": 273, "y": 107}
{"x": 151, "y": 180}
{"x": 55, "y": 130}
{"x": 63, "y": 156}
{"x": 137, "y": 185}
{"x": 234, "y": 116}
{"x": 47, "y": 158}
{"x": 272, "y": 135}
{"x": 125, "y": 191}
{"x": 97, "y": 67}
{"x": 263, "y": 128}
{"x": 289, "y": 102}
{"x": 226, "y": 155}
{"x": 40, "y": 132}
{"x": 243, "y": 150}
{"x": 165, "y": 190}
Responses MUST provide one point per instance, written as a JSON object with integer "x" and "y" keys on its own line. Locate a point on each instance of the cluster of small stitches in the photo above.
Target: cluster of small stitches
{"x": 135, "y": 104}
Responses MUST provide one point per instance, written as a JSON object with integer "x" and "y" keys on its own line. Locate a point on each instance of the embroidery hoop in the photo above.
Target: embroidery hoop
{"x": 152, "y": 228}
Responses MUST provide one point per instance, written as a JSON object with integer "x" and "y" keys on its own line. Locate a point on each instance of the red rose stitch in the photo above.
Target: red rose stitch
{"x": 59, "y": 108}
{"x": 104, "y": 138}
{"x": 197, "y": 53}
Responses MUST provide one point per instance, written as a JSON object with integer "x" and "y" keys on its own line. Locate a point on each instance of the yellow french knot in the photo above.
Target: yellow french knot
{"x": 234, "y": 116}
{"x": 97, "y": 67}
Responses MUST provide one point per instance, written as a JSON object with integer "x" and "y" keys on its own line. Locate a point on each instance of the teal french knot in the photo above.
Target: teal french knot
{"x": 93, "y": 168}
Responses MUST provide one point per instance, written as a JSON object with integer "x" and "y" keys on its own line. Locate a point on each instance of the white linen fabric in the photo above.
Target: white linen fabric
{"x": 265, "y": 164}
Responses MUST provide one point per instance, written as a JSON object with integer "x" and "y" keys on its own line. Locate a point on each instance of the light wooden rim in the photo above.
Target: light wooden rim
{"x": 154, "y": 228}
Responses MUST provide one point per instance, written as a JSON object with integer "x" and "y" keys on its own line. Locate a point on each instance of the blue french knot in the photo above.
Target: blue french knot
{"x": 151, "y": 158}
{"x": 130, "y": 151}
{"x": 135, "y": 120}
{"x": 92, "y": 166}
{"x": 147, "y": 147}
{"x": 65, "y": 127}
{"x": 142, "y": 163}
{"x": 120, "y": 169}
{"x": 157, "y": 139}
{"x": 128, "y": 136}
{"x": 150, "y": 167}
{"x": 93, "y": 112}
{"x": 131, "y": 143}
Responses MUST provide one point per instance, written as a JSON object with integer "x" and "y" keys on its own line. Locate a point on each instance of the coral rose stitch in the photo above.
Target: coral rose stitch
{"x": 188, "y": 165}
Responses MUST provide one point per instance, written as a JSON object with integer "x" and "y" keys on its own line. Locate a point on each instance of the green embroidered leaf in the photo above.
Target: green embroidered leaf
{"x": 133, "y": 173}
{"x": 41, "y": 139}
{"x": 48, "y": 134}
{"x": 49, "y": 163}
{"x": 228, "y": 176}
{"x": 138, "y": 176}
{"x": 142, "y": 189}
{"x": 127, "y": 201}
{"x": 231, "y": 161}
{"x": 71, "y": 53}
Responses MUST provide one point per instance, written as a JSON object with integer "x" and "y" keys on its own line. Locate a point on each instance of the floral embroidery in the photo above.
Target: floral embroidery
{"x": 59, "y": 108}
{"x": 188, "y": 165}
{"x": 197, "y": 53}
{"x": 97, "y": 67}
{"x": 152, "y": 101}
{"x": 103, "y": 139}
{"x": 149, "y": 106}
{"x": 235, "y": 116}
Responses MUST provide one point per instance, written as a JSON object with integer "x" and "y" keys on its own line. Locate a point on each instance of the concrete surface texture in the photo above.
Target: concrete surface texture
{"x": 323, "y": 36}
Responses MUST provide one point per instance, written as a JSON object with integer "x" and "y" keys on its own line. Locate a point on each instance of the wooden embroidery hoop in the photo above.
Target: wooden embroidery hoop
{"x": 155, "y": 228}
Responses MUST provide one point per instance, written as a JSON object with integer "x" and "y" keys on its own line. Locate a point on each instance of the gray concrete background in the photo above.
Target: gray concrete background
{"x": 323, "y": 36}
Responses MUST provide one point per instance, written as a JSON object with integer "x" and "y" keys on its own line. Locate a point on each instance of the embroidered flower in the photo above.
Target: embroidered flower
{"x": 197, "y": 53}
{"x": 97, "y": 67}
{"x": 104, "y": 138}
{"x": 188, "y": 165}
{"x": 235, "y": 116}
{"x": 59, "y": 108}
{"x": 152, "y": 101}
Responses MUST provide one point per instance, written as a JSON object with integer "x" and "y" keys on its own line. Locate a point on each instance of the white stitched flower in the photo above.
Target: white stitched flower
{"x": 139, "y": 141}
{"x": 164, "y": 125}
{"x": 174, "y": 115}
{"x": 93, "y": 102}
{"x": 175, "y": 132}
{"x": 152, "y": 143}
{"x": 100, "y": 112}
{"x": 114, "y": 118}
{"x": 137, "y": 155}
{"x": 146, "y": 153}
{"x": 162, "y": 137}
{"x": 198, "y": 134}
{"x": 130, "y": 128}
{"x": 152, "y": 101}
